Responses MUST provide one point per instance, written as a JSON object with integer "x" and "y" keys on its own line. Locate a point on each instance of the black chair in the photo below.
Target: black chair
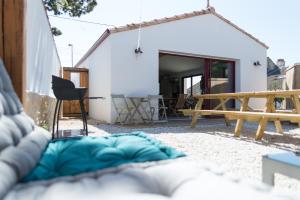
{"x": 65, "y": 90}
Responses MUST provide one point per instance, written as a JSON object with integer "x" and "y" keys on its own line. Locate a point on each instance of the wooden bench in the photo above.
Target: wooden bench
{"x": 246, "y": 113}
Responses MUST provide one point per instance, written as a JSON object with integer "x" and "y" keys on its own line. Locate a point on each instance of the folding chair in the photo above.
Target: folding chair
{"x": 122, "y": 108}
{"x": 180, "y": 103}
{"x": 157, "y": 105}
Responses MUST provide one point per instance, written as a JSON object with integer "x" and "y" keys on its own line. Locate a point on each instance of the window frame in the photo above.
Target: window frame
{"x": 190, "y": 76}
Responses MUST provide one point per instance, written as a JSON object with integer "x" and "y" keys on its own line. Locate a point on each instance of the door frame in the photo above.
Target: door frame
{"x": 207, "y": 66}
{"x": 207, "y": 72}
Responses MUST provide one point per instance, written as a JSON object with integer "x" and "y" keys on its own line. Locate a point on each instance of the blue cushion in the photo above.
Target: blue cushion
{"x": 86, "y": 154}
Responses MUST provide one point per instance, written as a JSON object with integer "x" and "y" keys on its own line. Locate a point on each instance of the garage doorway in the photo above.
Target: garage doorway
{"x": 191, "y": 76}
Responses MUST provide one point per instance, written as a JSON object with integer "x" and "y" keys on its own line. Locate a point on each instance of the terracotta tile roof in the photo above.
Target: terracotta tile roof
{"x": 129, "y": 27}
{"x": 133, "y": 26}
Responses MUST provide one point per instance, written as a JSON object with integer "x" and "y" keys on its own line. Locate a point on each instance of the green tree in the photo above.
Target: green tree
{"x": 74, "y": 8}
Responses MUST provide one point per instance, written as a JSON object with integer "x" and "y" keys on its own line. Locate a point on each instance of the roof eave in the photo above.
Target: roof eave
{"x": 239, "y": 29}
{"x": 161, "y": 21}
{"x": 94, "y": 47}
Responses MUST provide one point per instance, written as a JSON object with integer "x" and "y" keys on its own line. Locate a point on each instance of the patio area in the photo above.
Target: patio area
{"x": 213, "y": 142}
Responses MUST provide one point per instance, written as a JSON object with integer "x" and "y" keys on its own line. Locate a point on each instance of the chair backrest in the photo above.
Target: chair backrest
{"x": 21, "y": 142}
{"x": 65, "y": 89}
{"x": 58, "y": 83}
{"x": 181, "y": 101}
{"x": 158, "y": 98}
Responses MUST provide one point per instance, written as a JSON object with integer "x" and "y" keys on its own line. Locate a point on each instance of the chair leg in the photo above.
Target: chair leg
{"x": 57, "y": 120}
{"x": 83, "y": 115}
{"x": 54, "y": 119}
{"x": 81, "y": 110}
{"x": 128, "y": 116}
{"x": 165, "y": 117}
{"x": 85, "y": 119}
{"x": 118, "y": 119}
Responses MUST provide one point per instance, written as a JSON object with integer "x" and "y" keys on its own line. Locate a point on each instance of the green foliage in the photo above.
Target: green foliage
{"x": 279, "y": 99}
{"x": 275, "y": 85}
{"x": 45, "y": 126}
{"x": 56, "y": 31}
{"x": 74, "y": 8}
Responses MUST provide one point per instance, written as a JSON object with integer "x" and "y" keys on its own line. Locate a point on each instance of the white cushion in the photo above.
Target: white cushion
{"x": 175, "y": 180}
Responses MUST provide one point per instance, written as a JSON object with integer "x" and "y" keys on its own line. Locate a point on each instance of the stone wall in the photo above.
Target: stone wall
{"x": 40, "y": 108}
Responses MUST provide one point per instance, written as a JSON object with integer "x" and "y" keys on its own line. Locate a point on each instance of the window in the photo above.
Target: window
{"x": 192, "y": 85}
{"x": 220, "y": 69}
{"x": 75, "y": 78}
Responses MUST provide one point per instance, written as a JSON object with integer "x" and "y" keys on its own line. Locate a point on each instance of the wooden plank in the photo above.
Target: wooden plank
{"x": 263, "y": 122}
{"x": 195, "y": 115}
{"x": 75, "y": 69}
{"x": 84, "y": 82}
{"x": 223, "y": 103}
{"x": 239, "y": 124}
{"x": 295, "y": 99}
{"x": 245, "y": 115}
{"x": 263, "y": 94}
{"x": 72, "y": 108}
{"x": 67, "y": 75}
{"x": 66, "y": 107}
{"x": 249, "y": 108}
{"x": 277, "y": 123}
{"x": 1, "y": 31}
{"x": 13, "y": 18}
{"x": 220, "y": 105}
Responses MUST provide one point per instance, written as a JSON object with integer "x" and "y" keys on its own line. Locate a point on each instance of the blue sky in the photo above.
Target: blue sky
{"x": 275, "y": 22}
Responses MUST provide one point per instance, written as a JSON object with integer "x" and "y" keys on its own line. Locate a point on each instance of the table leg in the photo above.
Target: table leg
{"x": 145, "y": 109}
{"x": 223, "y": 103}
{"x": 136, "y": 106}
{"x": 277, "y": 122}
{"x": 264, "y": 120}
{"x": 135, "y": 110}
{"x": 195, "y": 115}
{"x": 296, "y": 102}
{"x": 240, "y": 122}
{"x": 278, "y": 126}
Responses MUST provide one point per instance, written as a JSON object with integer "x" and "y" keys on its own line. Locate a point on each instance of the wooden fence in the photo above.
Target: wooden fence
{"x": 12, "y": 42}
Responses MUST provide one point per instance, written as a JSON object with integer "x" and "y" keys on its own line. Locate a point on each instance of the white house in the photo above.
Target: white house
{"x": 199, "y": 49}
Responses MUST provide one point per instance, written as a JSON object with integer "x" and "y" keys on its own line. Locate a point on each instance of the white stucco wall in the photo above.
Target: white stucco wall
{"x": 99, "y": 65}
{"x": 206, "y": 36}
{"x": 42, "y": 58}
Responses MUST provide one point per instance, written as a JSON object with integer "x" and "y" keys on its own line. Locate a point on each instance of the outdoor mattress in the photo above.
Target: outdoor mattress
{"x": 164, "y": 180}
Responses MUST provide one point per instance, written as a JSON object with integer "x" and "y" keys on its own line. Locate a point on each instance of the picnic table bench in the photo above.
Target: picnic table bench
{"x": 246, "y": 113}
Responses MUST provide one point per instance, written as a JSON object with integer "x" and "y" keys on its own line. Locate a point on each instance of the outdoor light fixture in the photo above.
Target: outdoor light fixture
{"x": 256, "y": 63}
{"x": 138, "y": 51}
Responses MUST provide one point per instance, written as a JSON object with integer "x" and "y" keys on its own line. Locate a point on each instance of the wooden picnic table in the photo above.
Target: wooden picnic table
{"x": 246, "y": 112}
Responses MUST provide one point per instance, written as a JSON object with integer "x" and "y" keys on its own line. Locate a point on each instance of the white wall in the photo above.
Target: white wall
{"x": 99, "y": 65}
{"x": 205, "y": 35}
{"x": 42, "y": 58}
{"x": 132, "y": 74}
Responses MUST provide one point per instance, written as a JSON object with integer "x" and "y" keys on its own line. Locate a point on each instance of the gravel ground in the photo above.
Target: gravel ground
{"x": 212, "y": 141}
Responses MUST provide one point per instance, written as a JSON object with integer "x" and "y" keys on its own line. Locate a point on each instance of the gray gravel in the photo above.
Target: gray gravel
{"x": 213, "y": 142}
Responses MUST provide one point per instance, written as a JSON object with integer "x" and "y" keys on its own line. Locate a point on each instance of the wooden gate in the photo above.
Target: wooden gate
{"x": 80, "y": 77}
